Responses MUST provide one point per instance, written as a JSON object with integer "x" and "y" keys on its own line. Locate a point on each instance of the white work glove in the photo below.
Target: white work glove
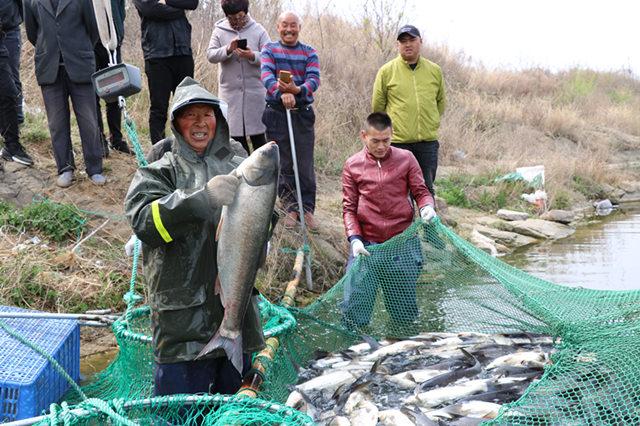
{"x": 357, "y": 248}
{"x": 221, "y": 189}
{"x": 128, "y": 247}
{"x": 427, "y": 213}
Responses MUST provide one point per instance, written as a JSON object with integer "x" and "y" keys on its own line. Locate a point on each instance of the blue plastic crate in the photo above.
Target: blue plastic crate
{"x": 28, "y": 382}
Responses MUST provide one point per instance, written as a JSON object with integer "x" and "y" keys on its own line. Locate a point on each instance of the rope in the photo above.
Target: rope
{"x": 281, "y": 320}
{"x": 131, "y": 298}
{"x": 108, "y": 410}
{"x": 132, "y": 134}
{"x": 115, "y": 409}
{"x": 290, "y": 250}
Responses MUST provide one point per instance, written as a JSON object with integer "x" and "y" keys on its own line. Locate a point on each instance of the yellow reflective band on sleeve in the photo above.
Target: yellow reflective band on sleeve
{"x": 157, "y": 221}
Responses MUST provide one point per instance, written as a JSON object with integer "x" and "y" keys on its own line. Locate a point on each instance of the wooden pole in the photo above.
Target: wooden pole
{"x": 251, "y": 384}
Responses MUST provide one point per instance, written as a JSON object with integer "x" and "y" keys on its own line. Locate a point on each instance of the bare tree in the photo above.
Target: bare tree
{"x": 381, "y": 19}
{"x": 266, "y": 12}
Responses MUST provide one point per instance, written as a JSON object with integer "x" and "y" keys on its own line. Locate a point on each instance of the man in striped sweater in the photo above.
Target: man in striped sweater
{"x": 296, "y": 94}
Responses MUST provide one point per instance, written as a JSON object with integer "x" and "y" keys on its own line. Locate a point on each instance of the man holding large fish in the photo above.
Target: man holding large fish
{"x": 204, "y": 317}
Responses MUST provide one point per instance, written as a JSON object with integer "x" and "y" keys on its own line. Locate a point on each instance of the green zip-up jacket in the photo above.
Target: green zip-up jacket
{"x": 170, "y": 212}
{"x": 414, "y": 99}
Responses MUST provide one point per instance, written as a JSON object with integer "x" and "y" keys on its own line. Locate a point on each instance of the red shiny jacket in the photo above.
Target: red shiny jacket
{"x": 375, "y": 194}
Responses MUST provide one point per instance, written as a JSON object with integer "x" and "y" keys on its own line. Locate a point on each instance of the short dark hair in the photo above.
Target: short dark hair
{"x": 231, "y": 7}
{"x": 378, "y": 120}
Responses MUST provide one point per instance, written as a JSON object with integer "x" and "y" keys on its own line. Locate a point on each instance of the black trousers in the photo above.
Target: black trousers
{"x": 256, "y": 141}
{"x": 8, "y": 107}
{"x": 13, "y": 42}
{"x": 163, "y": 75}
{"x": 426, "y": 152}
{"x": 56, "y": 102}
{"x": 114, "y": 118}
{"x": 215, "y": 375}
{"x": 302, "y": 120}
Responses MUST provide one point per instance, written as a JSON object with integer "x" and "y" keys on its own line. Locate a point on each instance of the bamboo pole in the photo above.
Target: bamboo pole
{"x": 251, "y": 384}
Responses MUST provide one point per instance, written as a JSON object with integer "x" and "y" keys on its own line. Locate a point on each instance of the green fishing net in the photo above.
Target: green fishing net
{"x": 427, "y": 279}
{"x": 177, "y": 410}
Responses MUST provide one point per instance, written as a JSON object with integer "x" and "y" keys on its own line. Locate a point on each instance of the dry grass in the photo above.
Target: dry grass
{"x": 51, "y": 277}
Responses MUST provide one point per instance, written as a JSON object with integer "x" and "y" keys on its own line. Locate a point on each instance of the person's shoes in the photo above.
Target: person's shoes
{"x": 98, "y": 179}
{"x": 4, "y": 153}
{"x": 121, "y": 146}
{"x": 105, "y": 146}
{"x": 19, "y": 156}
{"x": 64, "y": 179}
{"x": 310, "y": 222}
{"x": 290, "y": 221}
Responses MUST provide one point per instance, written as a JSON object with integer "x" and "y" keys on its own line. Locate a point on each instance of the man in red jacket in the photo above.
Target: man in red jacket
{"x": 379, "y": 184}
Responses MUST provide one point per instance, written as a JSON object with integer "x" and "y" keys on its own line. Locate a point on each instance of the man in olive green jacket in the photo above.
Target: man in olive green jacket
{"x": 410, "y": 89}
{"x": 174, "y": 206}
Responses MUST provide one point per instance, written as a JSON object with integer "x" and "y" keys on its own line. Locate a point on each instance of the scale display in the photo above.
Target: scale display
{"x": 117, "y": 80}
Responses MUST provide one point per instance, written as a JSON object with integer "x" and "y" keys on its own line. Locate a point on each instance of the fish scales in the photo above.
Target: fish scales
{"x": 392, "y": 349}
{"x": 454, "y": 365}
{"x": 242, "y": 236}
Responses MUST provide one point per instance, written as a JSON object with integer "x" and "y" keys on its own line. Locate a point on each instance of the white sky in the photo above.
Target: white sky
{"x": 554, "y": 34}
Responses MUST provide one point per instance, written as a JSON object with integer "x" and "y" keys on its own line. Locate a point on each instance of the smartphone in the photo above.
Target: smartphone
{"x": 285, "y": 76}
{"x": 242, "y": 43}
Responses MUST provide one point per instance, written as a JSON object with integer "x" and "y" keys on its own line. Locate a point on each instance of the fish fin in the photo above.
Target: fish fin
{"x": 219, "y": 228}
{"x": 470, "y": 358}
{"x": 346, "y": 354}
{"x": 373, "y": 343}
{"x": 232, "y": 347}
{"x": 418, "y": 416}
{"x": 376, "y": 365}
{"x": 217, "y": 290}
{"x": 339, "y": 391}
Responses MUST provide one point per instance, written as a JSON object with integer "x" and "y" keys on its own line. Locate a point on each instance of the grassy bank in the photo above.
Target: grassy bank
{"x": 49, "y": 260}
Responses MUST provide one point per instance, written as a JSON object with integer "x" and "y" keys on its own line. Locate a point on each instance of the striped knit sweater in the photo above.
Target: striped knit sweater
{"x": 300, "y": 60}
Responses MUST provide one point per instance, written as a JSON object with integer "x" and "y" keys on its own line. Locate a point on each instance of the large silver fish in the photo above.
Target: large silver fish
{"x": 242, "y": 235}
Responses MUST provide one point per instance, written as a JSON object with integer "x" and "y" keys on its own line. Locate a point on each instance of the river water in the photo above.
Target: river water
{"x": 604, "y": 255}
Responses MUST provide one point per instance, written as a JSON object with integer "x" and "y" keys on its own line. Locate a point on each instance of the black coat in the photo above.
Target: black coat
{"x": 10, "y": 18}
{"x": 69, "y": 34}
{"x": 10, "y": 14}
{"x": 119, "y": 14}
{"x": 166, "y": 31}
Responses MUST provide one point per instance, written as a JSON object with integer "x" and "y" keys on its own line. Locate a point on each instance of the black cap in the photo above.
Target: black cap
{"x": 408, "y": 29}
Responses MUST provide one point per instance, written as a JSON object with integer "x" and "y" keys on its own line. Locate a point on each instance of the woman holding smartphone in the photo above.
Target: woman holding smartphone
{"x": 235, "y": 44}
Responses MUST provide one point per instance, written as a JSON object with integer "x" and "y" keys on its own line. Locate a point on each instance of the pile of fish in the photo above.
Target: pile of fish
{"x": 429, "y": 379}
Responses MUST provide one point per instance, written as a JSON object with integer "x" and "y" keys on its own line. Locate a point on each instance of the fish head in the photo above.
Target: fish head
{"x": 262, "y": 166}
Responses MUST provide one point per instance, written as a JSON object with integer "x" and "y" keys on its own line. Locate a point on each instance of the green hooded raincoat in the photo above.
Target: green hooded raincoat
{"x": 171, "y": 214}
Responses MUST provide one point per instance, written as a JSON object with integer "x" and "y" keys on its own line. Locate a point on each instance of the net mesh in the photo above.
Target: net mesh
{"x": 177, "y": 410}
{"x": 427, "y": 279}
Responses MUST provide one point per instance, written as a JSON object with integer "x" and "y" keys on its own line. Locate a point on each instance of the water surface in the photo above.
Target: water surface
{"x": 604, "y": 255}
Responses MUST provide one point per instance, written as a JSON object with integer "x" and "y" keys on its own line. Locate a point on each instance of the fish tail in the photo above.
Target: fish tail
{"x": 232, "y": 347}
